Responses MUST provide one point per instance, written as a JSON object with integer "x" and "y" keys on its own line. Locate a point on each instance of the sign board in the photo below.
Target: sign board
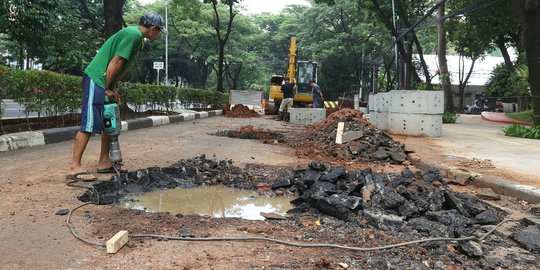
{"x": 158, "y": 65}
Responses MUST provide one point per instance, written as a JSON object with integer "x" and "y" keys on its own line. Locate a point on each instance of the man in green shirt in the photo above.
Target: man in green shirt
{"x": 101, "y": 77}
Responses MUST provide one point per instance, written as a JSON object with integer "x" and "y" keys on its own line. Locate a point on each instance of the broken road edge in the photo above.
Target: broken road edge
{"x": 501, "y": 186}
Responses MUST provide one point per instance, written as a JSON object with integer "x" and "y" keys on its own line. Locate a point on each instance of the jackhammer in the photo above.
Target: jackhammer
{"x": 113, "y": 126}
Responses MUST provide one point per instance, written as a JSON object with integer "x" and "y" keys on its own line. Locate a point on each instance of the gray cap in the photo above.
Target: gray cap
{"x": 153, "y": 19}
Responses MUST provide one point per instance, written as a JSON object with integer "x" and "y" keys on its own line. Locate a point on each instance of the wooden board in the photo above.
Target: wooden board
{"x": 117, "y": 242}
{"x": 339, "y": 133}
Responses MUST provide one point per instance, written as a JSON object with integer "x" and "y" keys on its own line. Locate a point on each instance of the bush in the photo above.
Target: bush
{"x": 450, "y": 118}
{"x": 52, "y": 93}
{"x": 522, "y": 131}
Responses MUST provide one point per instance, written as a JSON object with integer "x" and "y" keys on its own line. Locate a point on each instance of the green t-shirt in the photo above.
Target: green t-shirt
{"x": 125, "y": 43}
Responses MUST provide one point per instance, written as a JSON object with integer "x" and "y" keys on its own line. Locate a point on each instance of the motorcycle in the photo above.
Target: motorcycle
{"x": 477, "y": 107}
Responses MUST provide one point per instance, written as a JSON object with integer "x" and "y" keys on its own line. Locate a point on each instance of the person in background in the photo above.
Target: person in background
{"x": 288, "y": 89}
{"x": 101, "y": 77}
{"x": 499, "y": 106}
{"x": 317, "y": 95}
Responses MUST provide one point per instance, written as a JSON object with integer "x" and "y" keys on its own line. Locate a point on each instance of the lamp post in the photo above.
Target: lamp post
{"x": 166, "y": 47}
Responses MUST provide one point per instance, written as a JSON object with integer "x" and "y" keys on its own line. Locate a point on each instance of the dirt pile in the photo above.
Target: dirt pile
{"x": 239, "y": 111}
{"x": 250, "y": 132}
{"x": 319, "y": 142}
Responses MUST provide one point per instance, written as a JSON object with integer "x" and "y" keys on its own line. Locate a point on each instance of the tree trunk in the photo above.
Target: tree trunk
{"x": 463, "y": 80}
{"x": 443, "y": 66}
{"x": 112, "y": 10}
{"x": 417, "y": 44}
{"x": 21, "y": 57}
{"x": 502, "y": 47}
{"x": 221, "y": 69}
{"x": 390, "y": 26}
{"x": 528, "y": 13}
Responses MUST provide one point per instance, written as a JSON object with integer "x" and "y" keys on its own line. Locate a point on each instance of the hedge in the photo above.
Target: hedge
{"x": 53, "y": 93}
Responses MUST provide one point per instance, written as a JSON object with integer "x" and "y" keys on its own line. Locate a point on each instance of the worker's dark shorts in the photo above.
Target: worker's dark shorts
{"x": 93, "y": 98}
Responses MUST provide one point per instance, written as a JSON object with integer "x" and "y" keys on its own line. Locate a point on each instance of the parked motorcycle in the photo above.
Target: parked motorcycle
{"x": 479, "y": 106}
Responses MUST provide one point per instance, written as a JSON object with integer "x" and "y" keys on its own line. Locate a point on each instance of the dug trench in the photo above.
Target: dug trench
{"x": 332, "y": 205}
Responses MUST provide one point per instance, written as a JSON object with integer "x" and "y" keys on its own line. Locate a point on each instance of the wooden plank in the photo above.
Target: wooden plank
{"x": 339, "y": 133}
{"x": 117, "y": 242}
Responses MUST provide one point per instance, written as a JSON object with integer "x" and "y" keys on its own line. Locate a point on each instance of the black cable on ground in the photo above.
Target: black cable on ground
{"x": 72, "y": 183}
{"x": 283, "y": 242}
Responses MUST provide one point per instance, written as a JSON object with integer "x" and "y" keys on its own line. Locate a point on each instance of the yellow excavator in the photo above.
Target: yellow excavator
{"x": 303, "y": 72}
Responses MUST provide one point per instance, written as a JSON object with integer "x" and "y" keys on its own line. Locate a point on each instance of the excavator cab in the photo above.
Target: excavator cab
{"x": 307, "y": 71}
{"x": 276, "y": 80}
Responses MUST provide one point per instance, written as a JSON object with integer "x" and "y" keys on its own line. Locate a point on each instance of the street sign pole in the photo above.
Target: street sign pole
{"x": 166, "y": 47}
{"x": 158, "y": 66}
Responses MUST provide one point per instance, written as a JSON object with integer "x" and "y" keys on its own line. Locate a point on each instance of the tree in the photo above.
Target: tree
{"x": 113, "y": 10}
{"x": 73, "y": 56}
{"x": 471, "y": 42}
{"x": 528, "y": 13}
{"x": 443, "y": 66}
{"x": 222, "y": 35}
{"x": 26, "y": 23}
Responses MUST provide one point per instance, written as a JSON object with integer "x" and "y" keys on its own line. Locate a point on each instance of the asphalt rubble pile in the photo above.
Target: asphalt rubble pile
{"x": 250, "y": 132}
{"x": 186, "y": 173}
{"x": 373, "y": 145}
{"x": 239, "y": 111}
{"x": 419, "y": 200}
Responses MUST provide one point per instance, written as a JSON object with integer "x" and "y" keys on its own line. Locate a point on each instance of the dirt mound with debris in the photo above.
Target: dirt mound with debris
{"x": 239, "y": 111}
{"x": 343, "y": 115}
{"x": 250, "y": 132}
{"x": 374, "y": 145}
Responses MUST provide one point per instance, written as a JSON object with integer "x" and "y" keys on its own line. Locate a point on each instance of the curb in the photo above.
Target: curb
{"x": 501, "y": 186}
{"x": 506, "y": 120}
{"x": 29, "y": 139}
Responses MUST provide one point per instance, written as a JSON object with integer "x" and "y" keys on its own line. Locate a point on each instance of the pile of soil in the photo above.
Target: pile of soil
{"x": 250, "y": 132}
{"x": 319, "y": 141}
{"x": 239, "y": 111}
{"x": 343, "y": 115}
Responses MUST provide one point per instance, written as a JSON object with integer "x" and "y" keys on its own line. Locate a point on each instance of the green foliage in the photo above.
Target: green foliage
{"x": 449, "y": 118}
{"x": 506, "y": 83}
{"x": 53, "y": 93}
{"x": 27, "y": 22}
{"x": 522, "y": 131}
{"x": 525, "y": 116}
{"x": 43, "y": 91}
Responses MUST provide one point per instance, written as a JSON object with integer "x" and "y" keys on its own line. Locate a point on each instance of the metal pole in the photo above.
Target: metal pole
{"x": 157, "y": 77}
{"x": 396, "y": 45}
{"x": 362, "y": 75}
{"x": 166, "y": 47}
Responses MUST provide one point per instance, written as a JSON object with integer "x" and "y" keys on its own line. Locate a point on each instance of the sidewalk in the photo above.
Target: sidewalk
{"x": 516, "y": 160}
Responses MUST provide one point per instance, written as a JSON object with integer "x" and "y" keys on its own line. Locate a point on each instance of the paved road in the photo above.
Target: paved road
{"x": 472, "y": 137}
{"x": 13, "y": 110}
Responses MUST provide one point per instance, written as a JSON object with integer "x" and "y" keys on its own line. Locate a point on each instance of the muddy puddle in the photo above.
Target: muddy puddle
{"x": 214, "y": 201}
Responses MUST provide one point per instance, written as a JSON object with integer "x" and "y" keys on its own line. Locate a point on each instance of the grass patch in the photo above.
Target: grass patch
{"x": 522, "y": 131}
{"x": 525, "y": 116}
